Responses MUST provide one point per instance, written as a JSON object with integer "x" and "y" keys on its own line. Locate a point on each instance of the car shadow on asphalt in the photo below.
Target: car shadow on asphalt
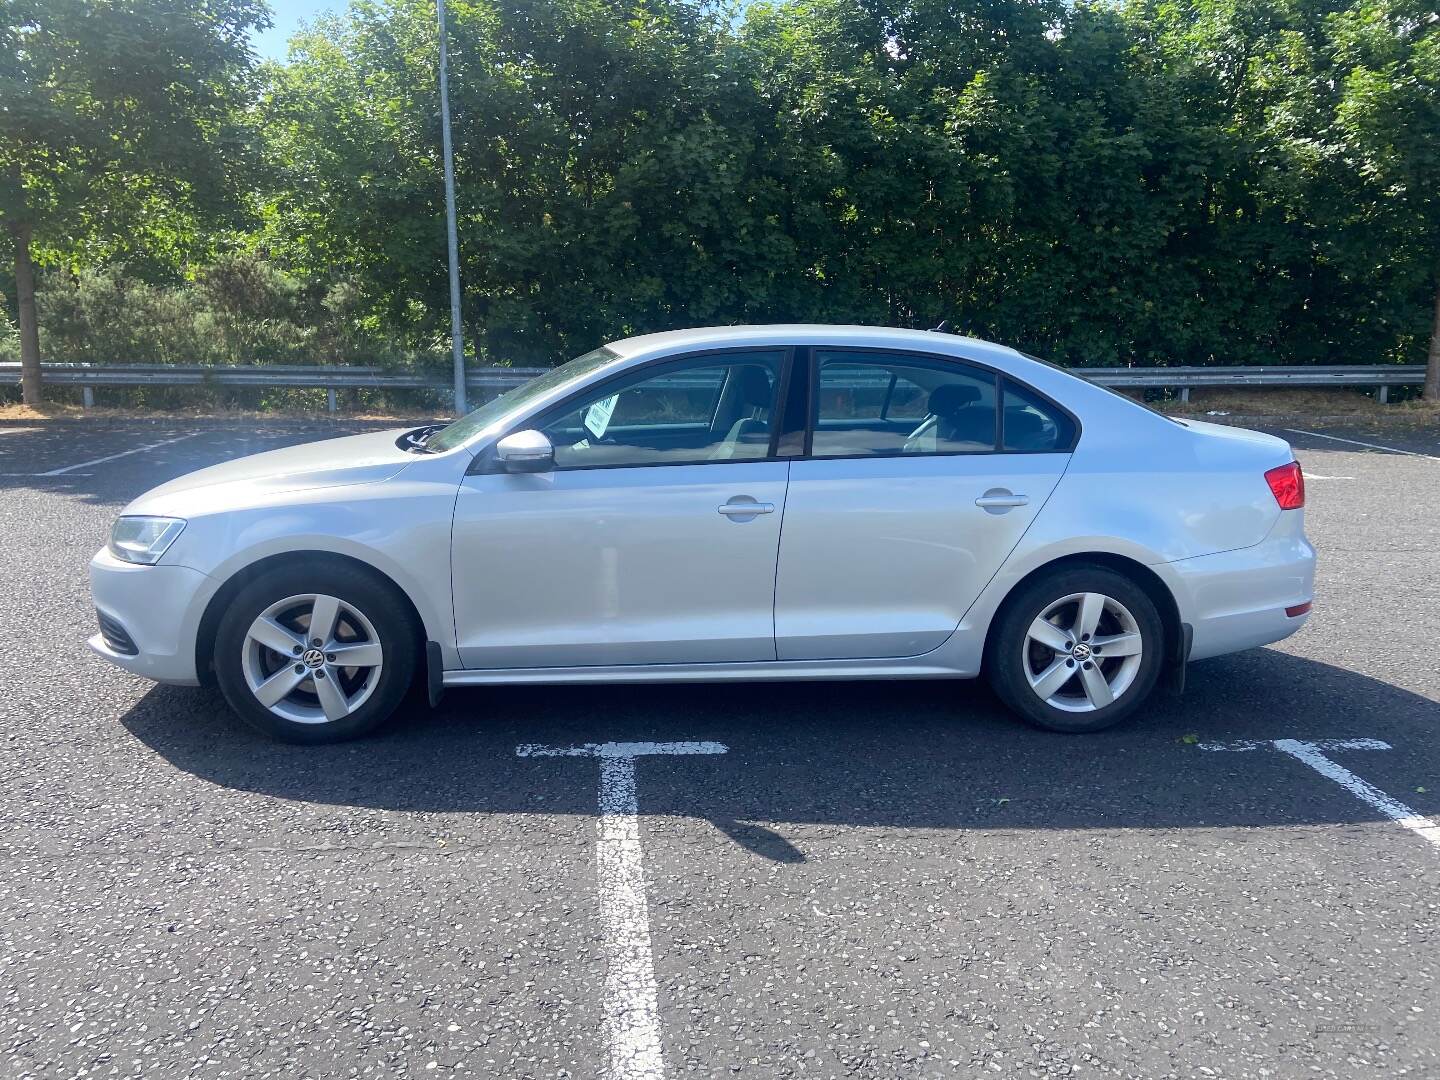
{"x": 928, "y": 755}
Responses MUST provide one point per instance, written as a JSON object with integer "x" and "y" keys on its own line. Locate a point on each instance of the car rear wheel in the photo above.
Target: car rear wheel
{"x": 316, "y": 655}
{"x": 1077, "y": 650}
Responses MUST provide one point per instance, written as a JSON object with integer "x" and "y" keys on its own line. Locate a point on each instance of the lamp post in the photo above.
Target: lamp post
{"x": 457, "y": 344}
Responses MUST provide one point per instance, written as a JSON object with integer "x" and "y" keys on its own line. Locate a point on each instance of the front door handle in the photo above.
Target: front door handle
{"x": 743, "y": 506}
{"x": 1001, "y": 499}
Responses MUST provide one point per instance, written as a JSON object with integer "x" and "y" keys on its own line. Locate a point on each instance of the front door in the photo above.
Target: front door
{"x": 909, "y": 501}
{"x": 653, "y": 541}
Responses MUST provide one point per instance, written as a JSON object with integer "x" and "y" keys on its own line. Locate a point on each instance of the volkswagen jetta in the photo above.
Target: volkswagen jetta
{"x": 768, "y": 502}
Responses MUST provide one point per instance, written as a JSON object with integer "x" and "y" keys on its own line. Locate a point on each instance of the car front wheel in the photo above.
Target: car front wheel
{"x": 315, "y": 655}
{"x": 1077, "y": 650}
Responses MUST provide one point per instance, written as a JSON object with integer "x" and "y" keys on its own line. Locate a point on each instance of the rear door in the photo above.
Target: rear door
{"x": 908, "y": 500}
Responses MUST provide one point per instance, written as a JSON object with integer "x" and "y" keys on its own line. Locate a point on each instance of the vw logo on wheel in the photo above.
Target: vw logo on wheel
{"x": 1081, "y": 651}
{"x": 313, "y": 658}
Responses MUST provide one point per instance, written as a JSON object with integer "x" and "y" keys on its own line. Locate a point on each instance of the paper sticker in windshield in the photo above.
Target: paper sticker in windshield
{"x": 597, "y": 416}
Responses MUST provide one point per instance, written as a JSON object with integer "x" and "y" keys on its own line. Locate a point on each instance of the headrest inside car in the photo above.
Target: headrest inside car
{"x": 1024, "y": 430}
{"x": 754, "y": 385}
{"x": 949, "y": 399}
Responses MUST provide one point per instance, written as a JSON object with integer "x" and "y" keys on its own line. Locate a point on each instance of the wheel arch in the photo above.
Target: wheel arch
{"x": 223, "y": 596}
{"x": 1176, "y": 635}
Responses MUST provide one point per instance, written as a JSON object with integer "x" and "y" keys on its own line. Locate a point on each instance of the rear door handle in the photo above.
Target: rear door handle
{"x": 1000, "y": 499}
{"x": 744, "y": 506}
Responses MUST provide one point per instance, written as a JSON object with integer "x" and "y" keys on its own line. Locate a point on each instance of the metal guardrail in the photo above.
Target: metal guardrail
{"x": 308, "y": 376}
{"x": 332, "y": 378}
{"x": 1382, "y": 376}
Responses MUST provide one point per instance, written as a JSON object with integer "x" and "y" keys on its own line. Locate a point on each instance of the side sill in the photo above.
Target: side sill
{"x": 769, "y": 672}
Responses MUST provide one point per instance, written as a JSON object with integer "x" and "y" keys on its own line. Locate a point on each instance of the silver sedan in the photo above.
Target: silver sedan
{"x": 722, "y": 504}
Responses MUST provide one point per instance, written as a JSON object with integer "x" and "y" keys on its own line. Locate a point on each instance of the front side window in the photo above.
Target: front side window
{"x": 713, "y": 408}
{"x": 877, "y": 404}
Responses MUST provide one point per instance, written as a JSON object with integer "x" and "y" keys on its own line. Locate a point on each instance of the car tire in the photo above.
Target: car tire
{"x": 274, "y": 674}
{"x": 1093, "y": 666}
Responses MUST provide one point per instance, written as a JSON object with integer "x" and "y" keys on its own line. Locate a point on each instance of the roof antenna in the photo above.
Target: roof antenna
{"x": 942, "y": 328}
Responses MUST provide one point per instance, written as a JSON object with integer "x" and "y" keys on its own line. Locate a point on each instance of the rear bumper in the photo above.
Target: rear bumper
{"x": 1238, "y": 599}
{"x": 159, "y": 608}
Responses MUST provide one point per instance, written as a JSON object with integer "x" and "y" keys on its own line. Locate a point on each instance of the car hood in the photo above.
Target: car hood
{"x": 355, "y": 459}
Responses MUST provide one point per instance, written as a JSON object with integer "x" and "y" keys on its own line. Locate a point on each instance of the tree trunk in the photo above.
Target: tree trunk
{"x": 29, "y": 326}
{"x": 1432, "y": 368}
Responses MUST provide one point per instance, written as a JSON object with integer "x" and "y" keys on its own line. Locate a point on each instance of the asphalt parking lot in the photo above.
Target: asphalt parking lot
{"x": 872, "y": 880}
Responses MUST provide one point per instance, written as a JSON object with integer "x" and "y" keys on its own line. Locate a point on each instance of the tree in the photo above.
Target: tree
{"x": 117, "y": 120}
{"x": 1387, "y": 121}
{"x": 609, "y": 169}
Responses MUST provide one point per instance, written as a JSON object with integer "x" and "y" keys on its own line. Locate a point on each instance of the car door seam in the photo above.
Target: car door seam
{"x": 1069, "y": 459}
{"x": 454, "y": 614}
{"x": 775, "y": 581}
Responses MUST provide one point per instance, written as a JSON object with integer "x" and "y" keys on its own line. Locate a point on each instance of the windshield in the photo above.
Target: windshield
{"x": 515, "y": 399}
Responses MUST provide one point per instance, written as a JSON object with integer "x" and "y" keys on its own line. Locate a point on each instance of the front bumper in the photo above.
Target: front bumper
{"x": 159, "y": 608}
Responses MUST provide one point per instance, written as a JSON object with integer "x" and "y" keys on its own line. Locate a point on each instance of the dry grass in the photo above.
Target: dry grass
{"x": 1302, "y": 402}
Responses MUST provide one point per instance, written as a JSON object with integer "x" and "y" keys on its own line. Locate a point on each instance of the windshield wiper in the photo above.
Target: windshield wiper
{"x": 414, "y": 441}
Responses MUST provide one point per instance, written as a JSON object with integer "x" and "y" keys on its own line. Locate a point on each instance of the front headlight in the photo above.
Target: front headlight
{"x": 143, "y": 539}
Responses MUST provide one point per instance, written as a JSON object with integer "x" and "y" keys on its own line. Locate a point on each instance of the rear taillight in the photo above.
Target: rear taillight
{"x": 1287, "y": 483}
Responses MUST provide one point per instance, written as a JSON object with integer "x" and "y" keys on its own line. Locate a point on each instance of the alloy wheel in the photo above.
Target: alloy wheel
{"x": 1082, "y": 652}
{"x": 312, "y": 658}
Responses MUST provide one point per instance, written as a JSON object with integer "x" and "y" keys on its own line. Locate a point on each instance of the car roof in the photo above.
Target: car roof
{"x": 720, "y": 337}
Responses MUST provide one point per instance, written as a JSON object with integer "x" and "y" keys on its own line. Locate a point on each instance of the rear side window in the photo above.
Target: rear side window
{"x": 879, "y": 404}
{"x": 1030, "y": 424}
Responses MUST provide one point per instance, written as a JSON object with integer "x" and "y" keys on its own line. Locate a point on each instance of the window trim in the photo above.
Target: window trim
{"x": 486, "y": 463}
{"x": 937, "y": 359}
{"x": 778, "y": 410}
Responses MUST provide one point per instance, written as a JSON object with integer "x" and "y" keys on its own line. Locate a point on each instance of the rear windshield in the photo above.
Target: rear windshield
{"x": 1079, "y": 373}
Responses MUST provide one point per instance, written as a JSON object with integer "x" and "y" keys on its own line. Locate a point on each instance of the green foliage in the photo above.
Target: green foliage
{"x": 1155, "y": 181}
{"x": 9, "y": 341}
{"x": 1179, "y": 181}
{"x": 121, "y": 123}
{"x": 239, "y": 310}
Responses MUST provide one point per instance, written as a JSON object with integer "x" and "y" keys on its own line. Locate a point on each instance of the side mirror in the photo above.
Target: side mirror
{"x": 525, "y": 452}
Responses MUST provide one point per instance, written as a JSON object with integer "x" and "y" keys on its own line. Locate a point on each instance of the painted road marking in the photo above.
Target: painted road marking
{"x": 632, "y": 1013}
{"x": 1357, "y": 442}
{"x": 123, "y": 453}
{"x": 1311, "y": 753}
{"x": 100, "y": 461}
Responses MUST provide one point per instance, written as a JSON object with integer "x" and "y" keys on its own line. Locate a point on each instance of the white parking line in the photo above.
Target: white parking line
{"x": 1357, "y": 442}
{"x": 112, "y": 457}
{"x": 100, "y": 461}
{"x": 632, "y": 1014}
{"x": 43, "y": 474}
{"x": 1310, "y": 754}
